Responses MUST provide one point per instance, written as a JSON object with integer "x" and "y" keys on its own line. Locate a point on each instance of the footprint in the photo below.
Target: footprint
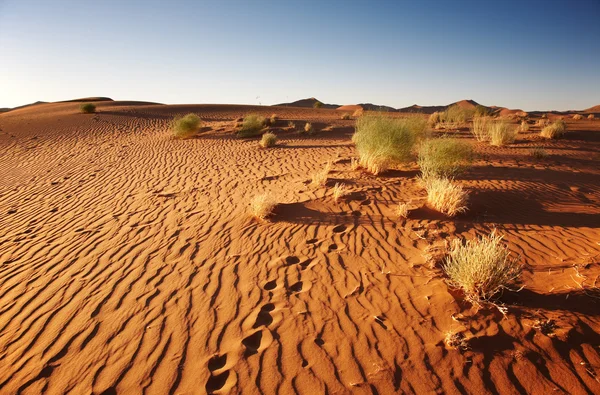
{"x": 264, "y": 316}
{"x": 297, "y": 287}
{"x": 217, "y": 362}
{"x": 217, "y": 382}
{"x": 292, "y": 260}
{"x": 339, "y": 229}
{"x": 270, "y": 285}
{"x": 252, "y": 343}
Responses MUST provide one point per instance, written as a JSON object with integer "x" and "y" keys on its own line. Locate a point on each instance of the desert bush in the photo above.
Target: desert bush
{"x": 434, "y": 119}
{"x": 591, "y": 116}
{"x": 87, "y": 108}
{"x": 317, "y": 104}
{"x": 555, "y": 130}
{"x": 261, "y": 206}
{"x": 273, "y": 119}
{"x": 268, "y": 140}
{"x": 319, "y": 178}
{"x": 456, "y": 114}
{"x": 402, "y": 210}
{"x": 445, "y": 196}
{"x": 538, "y": 153}
{"x": 481, "y": 268}
{"x": 542, "y": 122}
{"x": 186, "y": 126}
{"x": 345, "y": 116}
{"x": 308, "y": 128}
{"x": 252, "y": 125}
{"x": 339, "y": 191}
{"x": 479, "y": 129}
{"x": 501, "y": 133}
{"x": 382, "y": 141}
{"x": 481, "y": 111}
{"x": 444, "y": 157}
{"x": 577, "y": 117}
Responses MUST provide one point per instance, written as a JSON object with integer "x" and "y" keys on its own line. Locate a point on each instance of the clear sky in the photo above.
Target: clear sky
{"x": 533, "y": 55}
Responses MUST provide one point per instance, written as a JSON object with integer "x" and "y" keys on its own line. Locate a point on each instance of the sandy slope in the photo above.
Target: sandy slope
{"x": 128, "y": 265}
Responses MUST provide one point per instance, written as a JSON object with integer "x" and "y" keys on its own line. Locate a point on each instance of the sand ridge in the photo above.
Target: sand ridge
{"x": 128, "y": 263}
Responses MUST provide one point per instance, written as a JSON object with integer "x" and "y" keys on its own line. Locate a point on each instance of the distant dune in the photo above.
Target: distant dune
{"x": 307, "y": 103}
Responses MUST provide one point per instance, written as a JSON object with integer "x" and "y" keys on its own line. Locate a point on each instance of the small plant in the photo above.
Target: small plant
{"x": 354, "y": 164}
{"x": 317, "y": 104}
{"x": 308, "y": 128}
{"x": 591, "y": 116}
{"x": 319, "y": 178}
{"x": 434, "y": 119}
{"x": 481, "y": 111}
{"x": 339, "y": 191}
{"x": 456, "y": 340}
{"x": 555, "y": 130}
{"x": 481, "y": 268}
{"x": 252, "y": 125}
{"x": 345, "y": 116}
{"x": 402, "y": 210}
{"x": 456, "y": 115}
{"x": 577, "y": 117}
{"x": 382, "y": 141}
{"x": 501, "y": 133}
{"x": 444, "y": 157}
{"x": 358, "y": 112}
{"x": 261, "y": 206}
{"x": 524, "y": 126}
{"x": 479, "y": 129}
{"x": 268, "y": 140}
{"x": 186, "y": 126}
{"x": 87, "y": 108}
{"x": 291, "y": 125}
{"x": 538, "y": 153}
{"x": 445, "y": 196}
{"x": 273, "y": 119}
{"x": 542, "y": 122}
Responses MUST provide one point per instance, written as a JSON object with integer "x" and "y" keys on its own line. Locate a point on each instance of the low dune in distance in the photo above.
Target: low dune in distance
{"x": 129, "y": 263}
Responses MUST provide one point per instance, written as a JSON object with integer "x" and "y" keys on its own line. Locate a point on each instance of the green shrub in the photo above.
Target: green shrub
{"x": 444, "y": 157}
{"x": 87, "y": 108}
{"x": 555, "y": 130}
{"x": 252, "y": 125}
{"x": 481, "y": 268}
{"x": 268, "y": 140}
{"x": 381, "y": 140}
{"x": 501, "y": 133}
{"x": 186, "y": 126}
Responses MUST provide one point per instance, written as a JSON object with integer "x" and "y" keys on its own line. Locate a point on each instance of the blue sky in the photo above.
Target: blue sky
{"x": 533, "y": 55}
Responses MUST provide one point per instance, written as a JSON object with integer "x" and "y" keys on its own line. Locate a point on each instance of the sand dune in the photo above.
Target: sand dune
{"x": 128, "y": 263}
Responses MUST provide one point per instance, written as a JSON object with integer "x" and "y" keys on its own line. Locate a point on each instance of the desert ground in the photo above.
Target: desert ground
{"x": 129, "y": 263}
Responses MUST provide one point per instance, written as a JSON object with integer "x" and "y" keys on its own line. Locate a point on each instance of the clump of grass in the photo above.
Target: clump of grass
{"x": 555, "y": 130}
{"x": 382, "y": 141}
{"x": 252, "y": 125}
{"x": 577, "y": 117}
{"x": 481, "y": 111}
{"x": 339, "y": 191}
{"x": 402, "y": 210}
{"x": 481, "y": 268}
{"x": 291, "y": 125}
{"x": 87, "y": 108}
{"x": 345, "y": 116}
{"x": 501, "y": 133}
{"x": 434, "y": 119}
{"x": 479, "y": 129}
{"x": 455, "y": 114}
{"x": 542, "y": 122}
{"x": 261, "y": 206}
{"x": 186, "y": 126}
{"x": 444, "y": 157}
{"x": 268, "y": 140}
{"x": 445, "y": 196}
{"x": 538, "y": 153}
{"x": 273, "y": 119}
{"x": 456, "y": 340}
{"x": 308, "y": 128}
{"x": 354, "y": 164}
{"x": 317, "y": 104}
{"x": 358, "y": 112}
{"x": 319, "y": 178}
{"x": 524, "y": 126}
{"x": 591, "y": 116}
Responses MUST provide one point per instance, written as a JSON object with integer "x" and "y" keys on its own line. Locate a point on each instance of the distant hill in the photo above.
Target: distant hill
{"x": 87, "y": 99}
{"x": 307, "y": 103}
{"x": 593, "y": 109}
{"x": 6, "y": 109}
{"x": 415, "y": 108}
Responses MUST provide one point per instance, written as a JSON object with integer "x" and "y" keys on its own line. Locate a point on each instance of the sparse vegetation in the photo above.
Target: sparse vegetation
{"x": 555, "y": 130}
{"x": 252, "y": 125}
{"x": 317, "y": 104}
{"x": 501, "y": 133}
{"x": 481, "y": 268}
{"x": 291, "y": 125}
{"x": 382, "y": 141}
{"x": 542, "y": 122}
{"x": 402, "y": 210}
{"x": 308, "y": 128}
{"x": 319, "y": 178}
{"x": 186, "y": 126}
{"x": 444, "y": 157}
{"x": 479, "y": 129}
{"x": 87, "y": 108}
{"x": 273, "y": 119}
{"x": 591, "y": 116}
{"x": 268, "y": 140}
{"x": 577, "y": 117}
{"x": 481, "y": 111}
{"x": 339, "y": 191}
{"x": 345, "y": 116}
{"x": 261, "y": 206}
{"x": 524, "y": 126}
{"x": 445, "y": 196}
{"x": 456, "y": 340}
{"x": 434, "y": 119}
{"x": 456, "y": 114}
{"x": 538, "y": 153}
{"x": 358, "y": 112}
{"x": 354, "y": 164}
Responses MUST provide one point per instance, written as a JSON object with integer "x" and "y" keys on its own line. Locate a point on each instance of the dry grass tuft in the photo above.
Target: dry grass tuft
{"x": 402, "y": 210}
{"x": 268, "y": 140}
{"x": 444, "y": 157}
{"x": 501, "y": 133}
{"x": 319, "y": 178}
{"x": 524, "y": 126}
{"x": 434, "y": 119}
{"x": 252, "y": 125}
{"x": 542, "y": 122}
{"x": 87, "y": 108}
{"x": 456, "y": 340}
{"x": 481, "y": 268}
{"x": 358, "y": 112}
{"x": 261, "y": 206}
{"x": 308, "y": 127}
{"x": 555, "y": 130}
{"x": 186, "y": 126}
{"x": 577, "y": 117}
{"x": 339, "y": 191}
{"x": 354, "y": 164}
{"x": 479, "y": 129}
{"x": 538, "y": 153}
{"x": 273, "y": 119}
{"x": 591, "y": 116}
{"x": 445, "y": 196}
{"x": 345, "y": 116}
